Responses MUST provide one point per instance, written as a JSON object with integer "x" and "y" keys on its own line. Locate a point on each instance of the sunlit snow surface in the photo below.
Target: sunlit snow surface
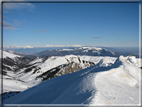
{"x": 118, "y": 84}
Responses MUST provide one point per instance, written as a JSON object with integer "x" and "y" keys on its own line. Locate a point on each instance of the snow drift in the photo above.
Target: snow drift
{"x": 96, "y": 85}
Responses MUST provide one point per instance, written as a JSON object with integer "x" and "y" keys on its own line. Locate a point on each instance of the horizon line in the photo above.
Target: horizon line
{"x": 47, "y": 46}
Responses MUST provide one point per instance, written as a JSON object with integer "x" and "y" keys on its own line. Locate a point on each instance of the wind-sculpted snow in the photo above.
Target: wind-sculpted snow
{"x": 96, "y": 85}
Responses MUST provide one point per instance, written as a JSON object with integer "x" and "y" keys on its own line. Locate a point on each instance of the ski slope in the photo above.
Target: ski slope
{"x": 118, "y": 84}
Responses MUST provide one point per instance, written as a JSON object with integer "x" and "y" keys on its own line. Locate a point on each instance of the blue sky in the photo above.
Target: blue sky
{"x": 98, "y": 24}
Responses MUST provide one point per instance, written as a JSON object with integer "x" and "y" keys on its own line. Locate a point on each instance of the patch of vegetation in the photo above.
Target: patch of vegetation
{"x": 91, "y": 63}
{"x": 63, "y": 69}
{"x": 29, "y": 69}
{"x": 79, "y": 59}
{"x": 36, "y": 70}
{"x": 50, "y": 73}
{"x": 9, "y": 61}
{"x": 6, "y": 67}
{"x": 4, "y": 72}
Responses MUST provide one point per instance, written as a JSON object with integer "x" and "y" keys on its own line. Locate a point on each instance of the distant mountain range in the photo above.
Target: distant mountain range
{"x": 34, "y": 50}
{"x": 46, "y": 46}
{"x": 89, "y": 51}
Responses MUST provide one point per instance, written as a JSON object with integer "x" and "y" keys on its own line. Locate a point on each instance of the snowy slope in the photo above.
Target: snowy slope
{"x": 11, "y": 83}
{"x": 29, "y": 78}
{"x": 52, "y": 62}
{"x": 97, "y": 85}
{"x": 11, "y": 62}
{"x": 55, "y": 61}
{"x": 8, "y": 54}
{"x": 37, "y": 60}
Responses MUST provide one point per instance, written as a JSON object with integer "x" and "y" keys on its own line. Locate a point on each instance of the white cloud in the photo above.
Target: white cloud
{"x": 8, "y": 26}
{"x": 17, "y": 23}
{"x": 45, "y": 30}
{"x": 5, "y": 17}
{"x": 8, "y": 6}
{"x": 96, "y": 37}
{"x": 18, "y": 5}
{"x": 5, "y": 24}
{"x": 36, "y": 31}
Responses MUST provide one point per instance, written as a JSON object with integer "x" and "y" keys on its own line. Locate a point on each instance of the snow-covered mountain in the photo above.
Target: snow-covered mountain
{"x": 89, "y": 51}
{"x": 29, "y": 50}
{"x": 42, "y": 69}
{"x": 82, "y": 77}
{"x": 26, "y": 71}
{"x": 12, "y": 62}
{"x": 9, "y": 54}
{"x": 116, "y": 83}
{"x": 61, "y": 50}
